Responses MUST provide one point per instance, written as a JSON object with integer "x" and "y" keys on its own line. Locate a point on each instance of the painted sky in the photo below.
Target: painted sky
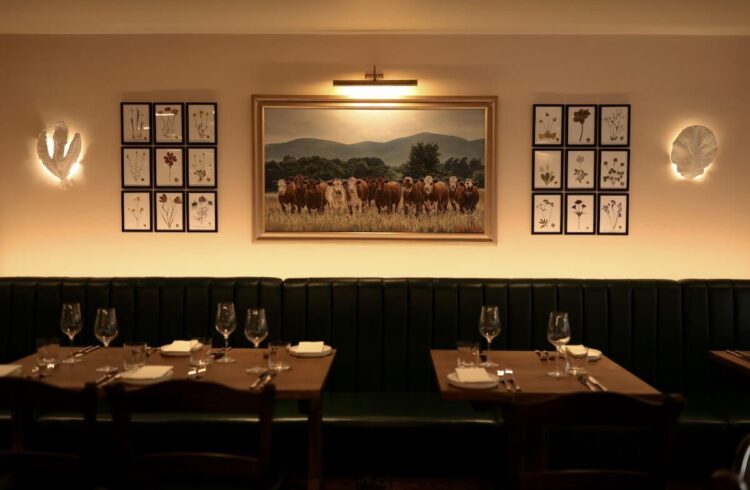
{"x": 356, "y": 125}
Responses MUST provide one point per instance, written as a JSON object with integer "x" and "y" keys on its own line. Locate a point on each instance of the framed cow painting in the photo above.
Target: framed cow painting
{"x": 329, "y": 167}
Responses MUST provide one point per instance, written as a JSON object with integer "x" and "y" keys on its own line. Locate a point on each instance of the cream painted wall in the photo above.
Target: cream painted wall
{"x": 678, "y": 229}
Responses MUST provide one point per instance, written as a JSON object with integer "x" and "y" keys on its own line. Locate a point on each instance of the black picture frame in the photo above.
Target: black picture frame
{"x": 172, "y": 149}
{"x": 561, "y": 220}
{"x": 569, "y": 127}
{"x": 149, "y": 167}
{"x": 601, "y": 175}
{"x": 190, "y": 138}
{"x": 535, "y": 120}
{"x": 594, "y": 209}
{"x": 601, "y": 216}
{"x": 155, "y": 219}
{"x": 606, "y": 142}
{"x": 189, "y": 206}
{"x": 149, "y": 213}
{"x": 156, "y": 123}
{"x": 594, "y": 170}
{"x": 147, "y": 118}
{"x": 215, "y": 150}
{"x": 561, "y": 172}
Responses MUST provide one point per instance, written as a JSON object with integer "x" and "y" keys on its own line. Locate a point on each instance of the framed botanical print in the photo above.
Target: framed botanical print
{"x": 168, "y": 122}
{"x": 136, "y": 166}
{"x": 169, "y": 211}
{"x": 201, "y": 167}
{"x": 580, "y": 218}
{"x": 547, "y": 169}
{"x": 549, "y": 124}
{"x": 135, "y": 123}
{"x": 581, "y": 124}
{"x": 201, "y": 121}
{"x": 580, "y": 169}
{"x": 136, "y": 211}
{"x": 202, "y": 211}
{"x": 169, "y": 167}
{"x": 614, "y": 125}
{"x": 546, "y": 214}
{"x": 614, "y": 214}
{"x": 614, "y": 170}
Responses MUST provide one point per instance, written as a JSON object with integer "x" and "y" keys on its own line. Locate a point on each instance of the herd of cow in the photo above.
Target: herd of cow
{"x": 355, "y": 195}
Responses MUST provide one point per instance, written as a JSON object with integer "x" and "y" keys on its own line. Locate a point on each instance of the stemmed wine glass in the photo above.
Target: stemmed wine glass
{"x": 105, "y": 329}
{"x": 71, "y": 324}
{"x": 558, "y": 333}
{"x": 256, "y": 331}
{"x": 489, "y": 327}
{"x": 226, "y": 323}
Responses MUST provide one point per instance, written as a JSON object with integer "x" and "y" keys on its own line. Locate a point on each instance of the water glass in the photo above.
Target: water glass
{"x": 576, "y": 361}
{"x": 468, "y": 353}
{"x": 256, "y": 331}
{"x": 135, "y": 355}
{"x": 202, "y": 357}
{"x": 47, "y": 350}
{"x": 489, "y": 328}
{"x": 71, "y": 324}
{"x": 278, "y": 354}
{"x": 105, "y": 330}
{"x": 558, "y": 334}
{"x": 226, "y": 323}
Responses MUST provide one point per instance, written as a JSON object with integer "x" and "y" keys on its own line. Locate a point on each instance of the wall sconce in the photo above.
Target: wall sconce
{"x": 60, "y": 163}
{"x": 374, "y": 79}
{"x": 693, "y": 151}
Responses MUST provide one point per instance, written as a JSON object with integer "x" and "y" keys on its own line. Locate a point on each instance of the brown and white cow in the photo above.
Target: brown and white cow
{"x": 453, "y": 184}
{"x": 357, "y": 194}
{"x": 438, "y": 197}
{"x": 387, "y": 195}
{"x": 429, "y": 184}
{"x": 287, "y": 195}
{"x": 467, "y": 196}
{"x": 336, "y": 196}
{"x": 315, "y": 195}
{"x": 413, "y": 192}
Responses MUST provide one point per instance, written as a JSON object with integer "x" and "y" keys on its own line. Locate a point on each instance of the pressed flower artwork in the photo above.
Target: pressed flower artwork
{"x": 136, "y": 211}
{"x": 201, "y": 122}
{"x": 202, "y": 211}
{"x": 168, "y": 163}
{"x": 613, "y": 214}
{"x": 135, "y": 121}
{"x": 169, "y": 211}
{"x": 580, "y": 214}
{"x": 136, "y": 166}
{"x": 201, "y": 167}
{"x": 546, "y": 214}
{"x": 548, "y": 125}
{"x": 581, "y": 125}
{"x": 580, "y": 169}
{"x": 614, "y": 170}
{"x": 168, "y": 123}
{"x": 614, "y": 125}
{"x": 547, "y": 169}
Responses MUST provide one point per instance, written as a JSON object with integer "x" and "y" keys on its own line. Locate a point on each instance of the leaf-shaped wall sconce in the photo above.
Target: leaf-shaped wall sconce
{"x": 61, "y": 162}
{"x": 693, "y": 151}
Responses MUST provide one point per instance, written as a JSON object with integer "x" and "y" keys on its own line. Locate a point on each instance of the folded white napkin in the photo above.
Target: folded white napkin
{"x": 576, "y": 350}
{"x": 594, "y": 355}
{"x": 472, "y": 375}
{"x": 310, "y": 347}
{"x": 10, "y": 369}
{"x": 182, "y": 346}
{"x": 147, "y": 372}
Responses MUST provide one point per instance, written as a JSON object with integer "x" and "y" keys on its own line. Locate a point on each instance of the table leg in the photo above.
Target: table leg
{"x": 313, "y": 409}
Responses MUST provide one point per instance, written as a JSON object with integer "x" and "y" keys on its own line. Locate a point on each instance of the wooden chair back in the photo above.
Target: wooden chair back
{"x": 529, "y": 425}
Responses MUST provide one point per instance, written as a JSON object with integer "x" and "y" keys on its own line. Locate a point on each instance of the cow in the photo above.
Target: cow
{"x": 467, "y": 196}
{"x": 413, "y": 192}
{"x": 371, "y": 191}
{"x": 453, "y": 185}
{"x": 299, "y": 186}
{"x": 428, "y": 187}
{"x": 387, "y": 195}
{"x": 357, "y": 194}
{"x": 438, "y": 197}
{"x": 336, "y": 196}
{"x": 315, "y": 193}
{"x": 287, "y": 195}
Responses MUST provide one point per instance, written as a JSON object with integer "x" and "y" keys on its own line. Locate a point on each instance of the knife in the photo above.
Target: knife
{"x": 597, "y": 383}
{"x": 739, "y": 354}
{"x": 267, "y": 380}
{"x": 258, "y": 380}
{"x": 582, "y": 379}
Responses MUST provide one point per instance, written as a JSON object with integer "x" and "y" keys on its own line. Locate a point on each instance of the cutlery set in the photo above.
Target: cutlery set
{"x": 544, "y": 355}
{"x": 108, "y": 378}
{"x": 85, "y": 350}
{"x": 738, "y": 353}
{"x": 508, "y": 379}
{"x": 264, "y": 378}
{"x": 591, "y": 383}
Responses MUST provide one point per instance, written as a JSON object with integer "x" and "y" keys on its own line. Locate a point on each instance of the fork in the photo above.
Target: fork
{"x": 512, "y": 379}
{"x": 504, "y": 380}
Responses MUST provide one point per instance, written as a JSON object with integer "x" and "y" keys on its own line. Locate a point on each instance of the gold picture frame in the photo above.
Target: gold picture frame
{"x": 287, "y": 136}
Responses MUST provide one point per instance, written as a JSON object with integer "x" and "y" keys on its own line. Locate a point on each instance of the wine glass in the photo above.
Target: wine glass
{"x": 105, "y": 329}
{"x": 489, "y": 327}
{"x": 256, "y": 331}
{"x": 558, "y": 333}
{"x": 226, "y": 323}
{"x": 71, "y": 324}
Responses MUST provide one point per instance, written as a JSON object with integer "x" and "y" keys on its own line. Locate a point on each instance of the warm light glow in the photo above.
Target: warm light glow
{"x": 375, "y": 91}
{"x": 74, "y": 169}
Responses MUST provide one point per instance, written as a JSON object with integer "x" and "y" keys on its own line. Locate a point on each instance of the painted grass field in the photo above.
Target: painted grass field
{"x": 370, "y": 220}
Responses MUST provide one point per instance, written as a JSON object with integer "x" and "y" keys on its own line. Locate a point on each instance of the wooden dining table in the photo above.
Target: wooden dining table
{"x": 736, "y": 361}
{"x": 530, "y": 373}
{"x": 303, "y": 383}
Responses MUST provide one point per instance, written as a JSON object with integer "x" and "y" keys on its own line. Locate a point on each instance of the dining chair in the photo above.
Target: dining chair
{"x": 738, "y": 476}
{"x": 30, "y": 464}
{"x": 530, "y": 427}
{"x": 142, "y": 467}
